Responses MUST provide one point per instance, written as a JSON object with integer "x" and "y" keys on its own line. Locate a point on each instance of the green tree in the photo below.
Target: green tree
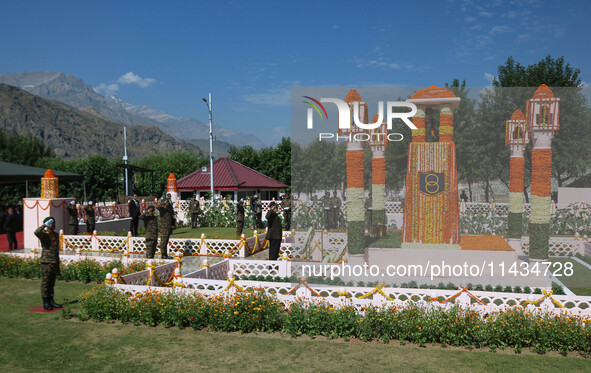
{"x": 570, "y": 145}
{"x": 274, "y": 162}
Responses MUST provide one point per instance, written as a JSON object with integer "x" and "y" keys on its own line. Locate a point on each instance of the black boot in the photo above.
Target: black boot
{"x": 46, "y": 304}
{"x": 53, "y": 304}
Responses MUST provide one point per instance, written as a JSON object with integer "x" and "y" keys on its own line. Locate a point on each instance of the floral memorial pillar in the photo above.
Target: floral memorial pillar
{"x": 355, "y": 177}
{"x": 517, "y": 137}
{"x": 171, "y": 188}
{"x": 49, "y": 185}
{"x": 431, "y": 207}
{"x": 378, "y": 143}
{"x": 542, "y": 120}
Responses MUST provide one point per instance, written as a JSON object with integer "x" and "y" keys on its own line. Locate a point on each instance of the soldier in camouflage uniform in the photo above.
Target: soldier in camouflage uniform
{"x": 151, "y": 224}
{"x": 50, "y": 261}
{"x": 194, "y": 210}
{"x": 165, "y": 226}
{"x": 73, "y": 217}
{"x": 336, "y": 208}
{"x": 90, "y": 220}
{"x": 286, "y": 206}
{"x": 240, "y": 217}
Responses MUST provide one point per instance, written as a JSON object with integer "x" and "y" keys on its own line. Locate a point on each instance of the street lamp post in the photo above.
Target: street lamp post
{"x": 208, "y": 103}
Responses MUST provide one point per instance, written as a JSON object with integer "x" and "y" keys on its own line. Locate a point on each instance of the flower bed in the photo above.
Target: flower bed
{"x": 85, "y": 270}
{"x": 416, "y": 322}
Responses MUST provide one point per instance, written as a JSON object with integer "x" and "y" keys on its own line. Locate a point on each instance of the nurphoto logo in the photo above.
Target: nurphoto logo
{"x": 344, "y": 113}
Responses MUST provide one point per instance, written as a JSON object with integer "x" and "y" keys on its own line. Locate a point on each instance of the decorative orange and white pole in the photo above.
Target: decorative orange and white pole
{"x": 172, "y": 188}
{"x": 378, "y": 143}
{"x": 542, "y": 119}
{"x": 517, "y": 137}
{"x": 355, "y": 178}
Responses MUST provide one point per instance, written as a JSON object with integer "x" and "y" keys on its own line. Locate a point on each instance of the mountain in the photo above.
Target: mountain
{"x": 73, "y": 133}
{"x": 74, "y": 92}
{"x": 189, "y": 128}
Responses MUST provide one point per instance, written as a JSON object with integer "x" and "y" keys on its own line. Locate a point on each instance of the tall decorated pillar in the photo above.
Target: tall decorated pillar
{"x": 35, "y": 210}
{"x": 542, "y": 119}
{"x": 49, "y": 185}
{"x": 431, "y": 206}
{"x": 171, "y": 188}
{"x": 355, "y": 177}
{"x": 378, "y": 143}
{"x": 517, "y": 138}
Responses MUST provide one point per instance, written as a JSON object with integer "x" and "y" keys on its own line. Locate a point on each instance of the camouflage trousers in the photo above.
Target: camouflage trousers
{"x": 74, "y": 229}
{"x": 194, "y": 220}
{"x": 239, "y": 227}
{"x": 90, "y": 227}
{"x": 163, "y": 246}
{"x": 49, "y": 273}
{"x": 151, "y": 247}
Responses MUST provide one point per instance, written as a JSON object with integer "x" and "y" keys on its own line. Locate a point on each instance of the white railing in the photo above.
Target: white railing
{"x": 362, "y": 297}
{"x": 561, "y": 246}
{"x": 203, "y": 246}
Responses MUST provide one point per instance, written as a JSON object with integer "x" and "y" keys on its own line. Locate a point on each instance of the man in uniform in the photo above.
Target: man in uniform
{"x": 134, "y": 214}
{"x": 194, "y": 210}
{"x": 240, "y": 217}
{"x": 165, "y": 226}
{"x": 257, "y": 207}
{"x": 336, "y": 208}
{"x": 286, "y": 206}
{"x": 50, "y": 261}
{"x": 274, "y": 232}
{"x": 73, "y": 217}
{"x": 327, "y": 208}
{"x": 151, "y": 223}
{"x": 90, "y": 220}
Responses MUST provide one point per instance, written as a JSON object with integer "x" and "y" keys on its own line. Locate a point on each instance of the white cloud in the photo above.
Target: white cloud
{"x": 489, "y": 77}
{"x": 275, "y": 97}
{"x": 131, "y": 78}
{"x": 485, "y": 14}
{"x": 106, "y": 89}
{"x": 470, "y": 19}
{"x": 334, "y": 27}
{"x": 499, "y": 30}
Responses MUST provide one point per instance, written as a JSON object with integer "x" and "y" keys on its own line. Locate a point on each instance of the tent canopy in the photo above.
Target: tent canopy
{"x": 12, "y": 173}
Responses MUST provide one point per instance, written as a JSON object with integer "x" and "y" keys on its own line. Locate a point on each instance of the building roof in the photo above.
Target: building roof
{"x": 517, "y": 115}
{"x": 12, "y": 173}
{"x": 228, "y": 174}
{"x": 543, "y": 91}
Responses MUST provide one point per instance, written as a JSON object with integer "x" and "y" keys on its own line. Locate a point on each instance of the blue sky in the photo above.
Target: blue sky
{"x": 168, "y": 55}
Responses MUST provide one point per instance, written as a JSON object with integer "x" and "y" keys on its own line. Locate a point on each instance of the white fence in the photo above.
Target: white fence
{"x": 183, "y": 246}
{"x": 220, "y": 280}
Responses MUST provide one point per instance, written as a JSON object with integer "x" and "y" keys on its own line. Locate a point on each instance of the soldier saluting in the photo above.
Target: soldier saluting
{"x": 286, "y": 206}
{"x": 50, "y": 261}
{"x": 151, "y": 223}
{"x": 90, "y": 219}
{"x": 73, "y": 217}
{"x": 165, "y": 226}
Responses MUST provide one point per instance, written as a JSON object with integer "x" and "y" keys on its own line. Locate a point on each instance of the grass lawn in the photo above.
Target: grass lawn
{"x": 47, "y": 342}
{"x": 580, "y": 281}
{"x": 211, "y": 232}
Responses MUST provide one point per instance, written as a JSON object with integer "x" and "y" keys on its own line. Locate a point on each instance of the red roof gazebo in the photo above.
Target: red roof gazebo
{"x": 232, "y": 179}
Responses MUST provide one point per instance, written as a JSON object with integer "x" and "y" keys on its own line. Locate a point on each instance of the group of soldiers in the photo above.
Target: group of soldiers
{"x": 331, "y": 207}
{"x": 158, "y": 229}
{"x": 90, "y": 219}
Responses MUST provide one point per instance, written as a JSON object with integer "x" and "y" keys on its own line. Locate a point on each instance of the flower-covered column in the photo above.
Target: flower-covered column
{"x": 355, "y": 181}
{"x": 542, "y": 119}
{"x": 378, "y": 143}
{"x": 517, "y": 137}
{"x": 49, "y": 185}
